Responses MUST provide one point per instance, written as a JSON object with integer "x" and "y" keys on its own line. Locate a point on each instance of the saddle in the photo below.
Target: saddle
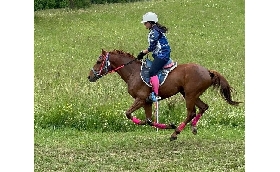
{"x": 162, "y": 74}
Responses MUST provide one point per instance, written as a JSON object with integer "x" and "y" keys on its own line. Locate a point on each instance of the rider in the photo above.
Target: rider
{"x": 158, "y": 44}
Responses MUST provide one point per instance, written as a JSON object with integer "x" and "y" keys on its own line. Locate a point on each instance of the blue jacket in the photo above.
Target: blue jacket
{"x": 158, "y": 43}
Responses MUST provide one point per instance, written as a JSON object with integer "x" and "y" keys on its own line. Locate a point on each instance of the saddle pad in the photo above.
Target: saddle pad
{"x": 162, "y": 74}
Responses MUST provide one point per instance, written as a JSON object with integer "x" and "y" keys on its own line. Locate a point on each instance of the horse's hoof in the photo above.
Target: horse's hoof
{"x": 173, "y": 126}
{"x": 194, "y": 130}
{"x": 173, "y": 138}
{"x": 149, "y": 122}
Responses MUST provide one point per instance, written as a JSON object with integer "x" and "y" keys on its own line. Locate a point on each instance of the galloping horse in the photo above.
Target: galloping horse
{"x": 191, "y": 80}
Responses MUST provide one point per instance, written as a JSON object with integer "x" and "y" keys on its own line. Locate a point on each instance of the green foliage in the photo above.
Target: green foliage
{"x": 68, "y": 42}
{"x": 112, "y": 1}
{"x": 79, "y": 4}
{"x": 50, "y": 4}
{"x": 73, "y": 4}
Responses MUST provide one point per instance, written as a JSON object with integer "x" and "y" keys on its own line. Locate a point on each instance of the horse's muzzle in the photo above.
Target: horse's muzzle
{"x": 92, "y": 79}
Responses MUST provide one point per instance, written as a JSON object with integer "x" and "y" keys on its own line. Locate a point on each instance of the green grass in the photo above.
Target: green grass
{"x": 81, "y": 126}
{"x": 71, "y": 150}
{"x": 67, "y": 43}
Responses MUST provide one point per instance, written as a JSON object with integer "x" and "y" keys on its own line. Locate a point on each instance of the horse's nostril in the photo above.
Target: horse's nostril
{"x": 88, "y": 77}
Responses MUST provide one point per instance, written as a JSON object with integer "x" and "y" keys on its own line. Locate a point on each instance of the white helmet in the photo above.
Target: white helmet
{"x": 149, "y": 16}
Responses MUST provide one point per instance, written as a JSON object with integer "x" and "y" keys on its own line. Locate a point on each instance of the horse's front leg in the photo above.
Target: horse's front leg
{"x": 138, "y": 103}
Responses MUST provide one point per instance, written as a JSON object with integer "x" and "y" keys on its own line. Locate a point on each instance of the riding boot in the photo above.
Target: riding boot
{"x": 155, "y": 86}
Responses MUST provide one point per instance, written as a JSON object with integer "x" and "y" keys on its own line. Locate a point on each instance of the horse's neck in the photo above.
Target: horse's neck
{"x": 128, "y": 70}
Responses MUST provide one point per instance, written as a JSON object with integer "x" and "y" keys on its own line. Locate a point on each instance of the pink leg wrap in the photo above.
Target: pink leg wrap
{"x": 155, "y": 83}
{"x": 181, "y": 126}
{"x": 135, "y": 120}
{"x": 160, "y": 126}
{"x": 195, "y": 120}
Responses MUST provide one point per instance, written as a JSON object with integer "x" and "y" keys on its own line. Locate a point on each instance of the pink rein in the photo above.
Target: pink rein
{"x": 106, "y": 58}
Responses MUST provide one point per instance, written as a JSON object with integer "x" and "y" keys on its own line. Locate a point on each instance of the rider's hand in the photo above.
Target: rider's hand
{"x": 141, "y": 55}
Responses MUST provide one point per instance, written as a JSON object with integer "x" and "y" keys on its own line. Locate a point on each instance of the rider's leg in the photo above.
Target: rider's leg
{"x": 157, "y": 65}
{"x": 155, "y": 84}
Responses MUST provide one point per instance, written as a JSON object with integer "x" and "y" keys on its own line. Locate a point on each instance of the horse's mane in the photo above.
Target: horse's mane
{"x": 121, "y": 52}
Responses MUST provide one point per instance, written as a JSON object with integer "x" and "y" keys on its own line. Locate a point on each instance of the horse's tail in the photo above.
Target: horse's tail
{"x": 218, "y": 81}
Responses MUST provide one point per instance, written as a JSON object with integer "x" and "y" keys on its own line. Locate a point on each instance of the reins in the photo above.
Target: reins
{"x": 107, "y": 67}
{"x": 118, "y": 68}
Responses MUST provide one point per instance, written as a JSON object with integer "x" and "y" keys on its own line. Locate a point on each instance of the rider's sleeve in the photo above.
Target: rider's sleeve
{"x": 153, "y": 39}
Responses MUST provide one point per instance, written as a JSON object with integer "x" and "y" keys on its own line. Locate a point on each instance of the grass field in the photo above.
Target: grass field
{"x": 78, "y": 124}
{"x": 71, "y": 150}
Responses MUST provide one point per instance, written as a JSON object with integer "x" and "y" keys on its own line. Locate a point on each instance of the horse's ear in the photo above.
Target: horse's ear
{"x": 103, "y": 52}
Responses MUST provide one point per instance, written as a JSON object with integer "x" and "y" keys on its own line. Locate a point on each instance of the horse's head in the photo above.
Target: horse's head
{"x": 100, "y": 68}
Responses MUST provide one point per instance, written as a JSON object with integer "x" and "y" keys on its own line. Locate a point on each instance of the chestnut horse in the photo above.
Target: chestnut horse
{"x": 191, "y": 80}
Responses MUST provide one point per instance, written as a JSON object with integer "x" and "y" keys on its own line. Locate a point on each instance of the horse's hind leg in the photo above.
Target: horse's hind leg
{"x": 148, "y": 111}
{"x": 202, "y": 108}
{"x": 190, "y": 104}
{"x": 194, "y": 109}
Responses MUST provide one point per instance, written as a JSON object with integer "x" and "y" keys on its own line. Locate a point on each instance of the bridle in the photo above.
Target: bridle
{"x": 107, "y": 67}
{"x": 104, "y": 66}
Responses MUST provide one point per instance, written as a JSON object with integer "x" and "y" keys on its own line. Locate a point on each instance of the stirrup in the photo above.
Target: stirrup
{"x": 153, "y": 97}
